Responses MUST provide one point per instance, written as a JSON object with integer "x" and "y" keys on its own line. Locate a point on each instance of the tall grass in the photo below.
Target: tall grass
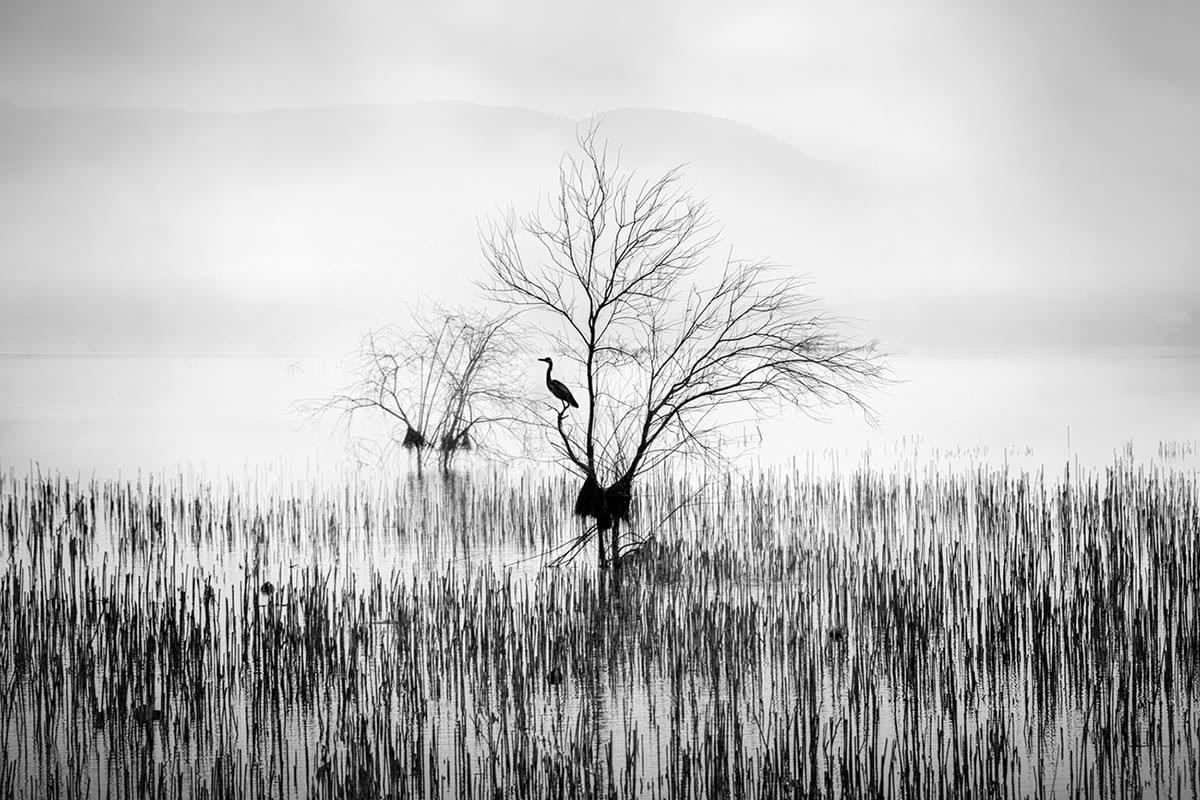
{"x": 906, "y": 632}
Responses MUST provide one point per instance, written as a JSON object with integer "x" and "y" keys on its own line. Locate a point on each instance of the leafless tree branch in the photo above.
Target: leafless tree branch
{"x": 442, "y": 385}
{"x": 620, "y": 283}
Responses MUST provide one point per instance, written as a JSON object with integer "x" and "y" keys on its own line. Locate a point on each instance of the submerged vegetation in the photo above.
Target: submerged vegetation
{"x": 906, "y": 632}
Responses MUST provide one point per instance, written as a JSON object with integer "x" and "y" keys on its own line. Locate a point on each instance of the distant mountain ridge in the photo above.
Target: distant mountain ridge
{"x": 30, "y": 134}
{"x": 295, "y": 229}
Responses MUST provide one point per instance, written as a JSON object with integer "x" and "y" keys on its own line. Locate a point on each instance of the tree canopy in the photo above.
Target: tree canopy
{"x": 665, "y": 332}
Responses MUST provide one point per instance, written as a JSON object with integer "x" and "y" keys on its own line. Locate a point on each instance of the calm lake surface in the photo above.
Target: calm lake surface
{"x": 909, "y": 632}
{"x": 127, "y": 414}
{"x": 961, "y": 602}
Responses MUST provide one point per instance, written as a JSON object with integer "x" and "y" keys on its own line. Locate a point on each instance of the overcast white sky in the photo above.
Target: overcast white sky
{"x": 1036, "y": 159}
{"x": 935, "y": 80}
{"x": 1067, "y": 127}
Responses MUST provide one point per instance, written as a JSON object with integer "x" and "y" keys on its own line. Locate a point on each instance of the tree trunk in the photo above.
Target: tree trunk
{"x": 600, "y": 540}
{"x": 615, "y": 545}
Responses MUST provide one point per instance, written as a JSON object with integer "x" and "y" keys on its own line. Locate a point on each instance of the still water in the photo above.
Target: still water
{"x": 112, "y": 415}
{"x": 900, "y": 633}
{"x": 902, "y": 611}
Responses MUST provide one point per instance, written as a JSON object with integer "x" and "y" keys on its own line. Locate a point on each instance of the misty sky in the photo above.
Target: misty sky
{"x": 970, "y": 180}
{"x": 1054, "y": 142}
{"x": 933, "y": 80}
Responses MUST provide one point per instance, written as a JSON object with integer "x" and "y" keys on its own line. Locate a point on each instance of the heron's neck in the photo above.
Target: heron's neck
{"x": 548, "y": 368}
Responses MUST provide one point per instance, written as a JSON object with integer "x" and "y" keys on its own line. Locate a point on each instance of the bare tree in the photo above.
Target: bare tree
{"x": 662, "y": 360}
{"x": 441, "y": 387}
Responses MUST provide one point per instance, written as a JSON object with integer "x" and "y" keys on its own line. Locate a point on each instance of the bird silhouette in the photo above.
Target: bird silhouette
{"x": 558, "y": 388}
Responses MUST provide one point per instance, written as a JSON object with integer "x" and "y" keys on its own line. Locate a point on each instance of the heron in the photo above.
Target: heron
{"x": 558, "y": 388}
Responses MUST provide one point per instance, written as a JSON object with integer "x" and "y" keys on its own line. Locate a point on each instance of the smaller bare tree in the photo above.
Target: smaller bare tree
{"x": 441, "y": 387}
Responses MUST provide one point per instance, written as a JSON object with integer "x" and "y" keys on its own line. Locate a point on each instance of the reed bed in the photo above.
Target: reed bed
{"x": 904, "y": 632}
